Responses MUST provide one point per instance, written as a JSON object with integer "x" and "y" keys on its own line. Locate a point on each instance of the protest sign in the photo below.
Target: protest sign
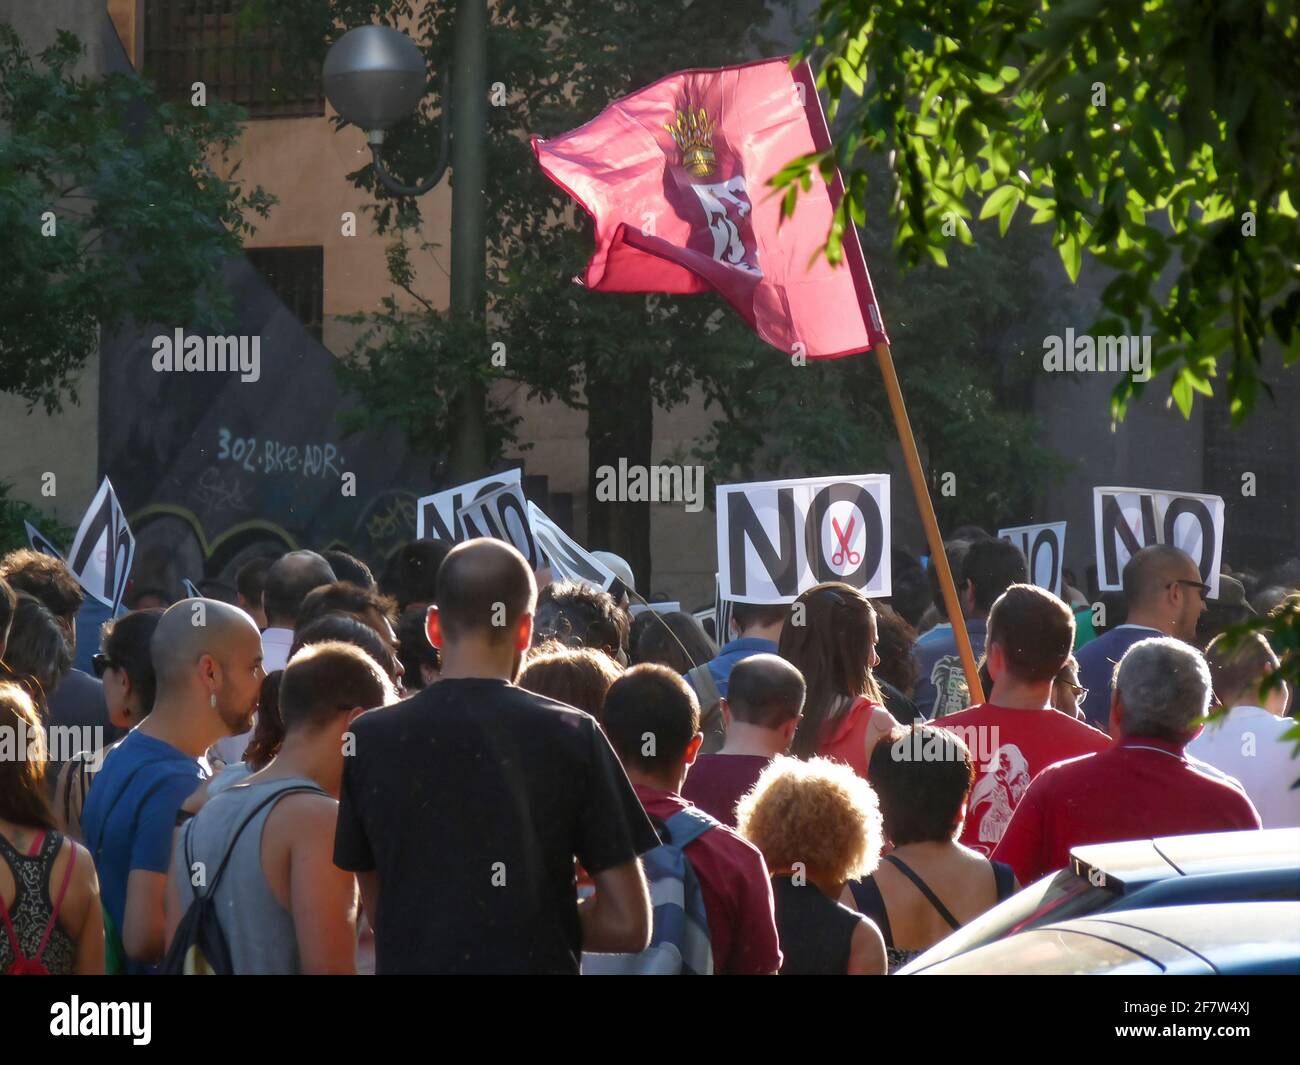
{"x": 191, "y": 589}
{"x": 38, "y": 542}
{"x": 435, "y": 515}
{"x": 777, "y": 539}
{"x": 103, "y": 549}
{"x": 1129, "y": 519}
{"x": 1044, "y": 549}
{"x": 503, "y": 515}
{"x": 568, "y": 561}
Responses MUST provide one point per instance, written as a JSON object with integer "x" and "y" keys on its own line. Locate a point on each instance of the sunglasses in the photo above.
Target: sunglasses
{"x": 101, "y": 664}
{"x": 1204, "y": 589}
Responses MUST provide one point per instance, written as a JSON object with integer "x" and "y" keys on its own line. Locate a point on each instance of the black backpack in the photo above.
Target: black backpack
{"x": 199, "y": 947}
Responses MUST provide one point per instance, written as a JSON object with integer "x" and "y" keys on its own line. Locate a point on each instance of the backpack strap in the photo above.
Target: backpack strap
{"x": 710, "y": 697}
{"x": 275, "y": 796}
{"x": 688, "y": 825}
{"x": 924, "y": 889}
{"x": 58, "y": 902}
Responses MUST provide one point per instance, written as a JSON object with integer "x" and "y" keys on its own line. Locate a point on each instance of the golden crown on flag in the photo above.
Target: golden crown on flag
{"x": 693, "y": 133}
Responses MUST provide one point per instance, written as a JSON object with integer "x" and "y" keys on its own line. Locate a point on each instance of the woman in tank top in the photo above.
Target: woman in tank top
{"x": 830, "y": 636}
{"x": 50, "y": 917}
{"x": 929, "y": 884}
{"x": 818, "y": 827}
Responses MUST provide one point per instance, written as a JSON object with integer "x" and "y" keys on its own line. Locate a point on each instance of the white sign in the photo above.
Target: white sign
{"x": 502, "y": 515}
{"x": 1044, "y": 549}
{"x": 1129, "y": 519}
{"x": 567, "y": 560}
{"x": 777, "y": 539}
{"x": 37, "y": 541}
{"x": 435, "y": 515}
{"x": 191, "y": 589}
{"x": 721, "y": 614}
{"x": 103, "y": 549}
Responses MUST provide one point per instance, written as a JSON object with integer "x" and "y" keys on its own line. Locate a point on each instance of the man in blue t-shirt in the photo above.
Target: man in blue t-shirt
{"x": 1165, "y": 596}
{"x": 759, "y": 626}
{"x": 207, "y": 657}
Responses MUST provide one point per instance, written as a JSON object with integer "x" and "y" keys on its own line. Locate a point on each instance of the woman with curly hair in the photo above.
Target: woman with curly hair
{"x": 830, "y": 638}
{"x": 818, "y": 827}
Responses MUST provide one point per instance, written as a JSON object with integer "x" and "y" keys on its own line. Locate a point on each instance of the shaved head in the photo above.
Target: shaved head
{"x": 288, "y": 582}
{"x": 1153, "y": 569}
{"x": 765, "y": 690}
{"x": 212, "y": 650}
{"x": 484, "y": 586}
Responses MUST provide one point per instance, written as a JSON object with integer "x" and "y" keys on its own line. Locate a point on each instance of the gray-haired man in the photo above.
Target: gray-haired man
{"x": 1142, "y": 786}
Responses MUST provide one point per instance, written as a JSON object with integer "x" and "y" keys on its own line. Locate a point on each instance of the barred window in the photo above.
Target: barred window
{"x": 202, "y": 40}
{"x": 297, "y": 276}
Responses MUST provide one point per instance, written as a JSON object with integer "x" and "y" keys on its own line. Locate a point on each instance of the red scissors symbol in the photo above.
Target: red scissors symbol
{"x": 845, "y": 538}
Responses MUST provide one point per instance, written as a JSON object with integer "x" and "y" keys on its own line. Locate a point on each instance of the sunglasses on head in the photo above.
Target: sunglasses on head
{"x": 101, "y": 664}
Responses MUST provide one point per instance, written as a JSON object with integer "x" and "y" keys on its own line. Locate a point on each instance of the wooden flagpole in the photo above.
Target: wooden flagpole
{"x": 938, "y": 556}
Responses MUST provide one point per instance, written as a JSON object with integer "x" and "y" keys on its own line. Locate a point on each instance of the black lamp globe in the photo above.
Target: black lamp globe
{"x": 374, "y": 77}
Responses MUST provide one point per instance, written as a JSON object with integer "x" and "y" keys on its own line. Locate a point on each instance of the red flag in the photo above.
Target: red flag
{"x": 675, "y": 177}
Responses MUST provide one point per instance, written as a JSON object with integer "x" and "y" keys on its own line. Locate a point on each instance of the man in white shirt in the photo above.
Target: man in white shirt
{"x": 288, "y": 582}
{"x": 1245, "y": 737}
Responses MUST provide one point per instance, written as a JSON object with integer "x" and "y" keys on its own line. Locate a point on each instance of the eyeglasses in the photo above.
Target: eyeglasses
{"x": 1204, "y": 589}
{"x": 1080, "y": 692}
{"x": 101, "y": 664}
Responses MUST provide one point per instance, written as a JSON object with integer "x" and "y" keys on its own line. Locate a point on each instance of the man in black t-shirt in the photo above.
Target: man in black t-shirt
{"x": 462, "y": 809}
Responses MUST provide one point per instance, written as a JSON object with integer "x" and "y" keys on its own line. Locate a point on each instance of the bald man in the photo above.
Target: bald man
{"x": 760, "y": 712}
{"x": 207, "y": 656}
{"x": 463, "y": 808}
{"x": 289, "y": 581}
{"x": 1165, "y": 596}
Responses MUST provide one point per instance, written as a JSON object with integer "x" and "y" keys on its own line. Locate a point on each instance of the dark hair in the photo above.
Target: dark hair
{"x": 1035, "y": 630}
{"x": 413, "y": 645}
{"x": 651, "y": 705}
{"x": 955, "y": 550}
{"x": 992, "y": 566}
{"x": 37, "y": 656}
{"x": 579, "y": 615}
{"x": 8, "y": 604}
{"x": 268, "y": 733}
{"x": 326, "y": 679}
{"x": 411, "y": 575}
{"x": 765, "y": 690}
{"x": 343, "y": 597}
{"x": 749, "y": 615}
{"x": 350, "y": 568}
{"x": 972, "y": 534}
{"x": 578, "y": 676}
{"x": 674, "y": 639}
{"x": 250, "y": 580}
{"x": 922, "y": 774}
{"x": 125, "y": 642}
{"x": 24, "y": 796}
{"x": 895, "y": 641}
{"x": 831, "y": 649}
{"x": 480, "y": 581}
{"x": 345, "y": 628}
{"x": 144, "y": 591}
{"x": 289, "y": 580}
{"x": 909, "y": 587}
{"x": 45, "y": 577}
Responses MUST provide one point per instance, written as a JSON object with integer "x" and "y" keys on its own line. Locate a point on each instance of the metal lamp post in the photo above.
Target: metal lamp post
{"x": 375, "y": 76}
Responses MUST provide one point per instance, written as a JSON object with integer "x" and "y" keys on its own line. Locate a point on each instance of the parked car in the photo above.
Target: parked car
{"x": 1108, "y": 877}
{"x": 1214, "y": 939}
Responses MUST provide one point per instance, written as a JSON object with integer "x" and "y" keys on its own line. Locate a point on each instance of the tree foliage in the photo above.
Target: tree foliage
{"x": 1158, "y": 136}
{"x": 140, "y": 219}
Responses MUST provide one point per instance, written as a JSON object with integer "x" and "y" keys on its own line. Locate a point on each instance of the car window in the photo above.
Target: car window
{"x": 1054, "y": 898}
{"x": 1049, "y": 951}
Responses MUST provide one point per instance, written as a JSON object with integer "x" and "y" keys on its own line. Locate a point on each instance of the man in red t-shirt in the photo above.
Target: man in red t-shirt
{"x": 1144, "y": 786}
{"x": 1017, "y": 733}
{"x": 652, "y": 719}
{"x": 760, "y": 713}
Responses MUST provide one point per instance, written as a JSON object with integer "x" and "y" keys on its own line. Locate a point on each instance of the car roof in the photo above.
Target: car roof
{"x": 1209, "y": 938}
{"x": 1134, "y": 864}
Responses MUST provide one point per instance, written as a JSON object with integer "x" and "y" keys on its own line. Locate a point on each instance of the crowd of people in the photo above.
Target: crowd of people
{"x": 463, "y": 766}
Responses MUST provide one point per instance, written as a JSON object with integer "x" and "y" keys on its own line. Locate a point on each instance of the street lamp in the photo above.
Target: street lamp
{"x": 374, "y": 77}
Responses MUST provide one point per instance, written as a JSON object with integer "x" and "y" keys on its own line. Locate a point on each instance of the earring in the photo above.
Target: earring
{"x": 213, "y": 700}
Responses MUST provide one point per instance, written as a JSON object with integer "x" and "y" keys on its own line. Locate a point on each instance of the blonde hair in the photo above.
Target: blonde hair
{"x": 818, "y": 813}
